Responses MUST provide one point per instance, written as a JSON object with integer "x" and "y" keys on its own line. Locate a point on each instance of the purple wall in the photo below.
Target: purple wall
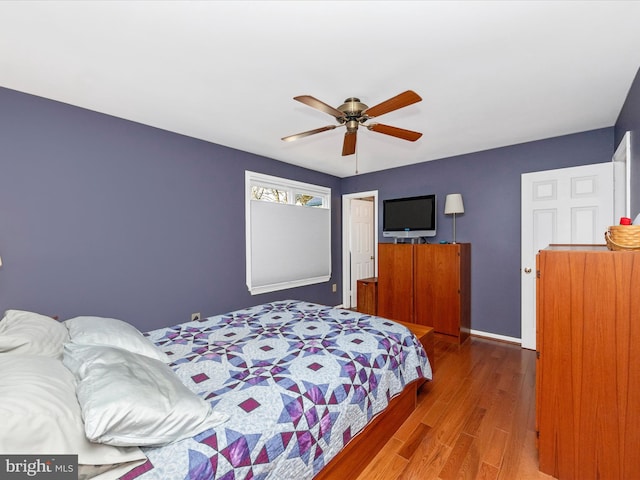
{"x": 102, "y": 216}
{"x": 629, "y": 120}
{"x": 489, "y": 182}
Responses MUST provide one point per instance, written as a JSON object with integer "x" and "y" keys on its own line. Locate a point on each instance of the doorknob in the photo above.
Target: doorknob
{"x": 527, "y": 270}
{"x": 371, "y": 257}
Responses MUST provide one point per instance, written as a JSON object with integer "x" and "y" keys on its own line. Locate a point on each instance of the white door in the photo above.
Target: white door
{"x": 568, "y": 205}
{"x": 361, "y": 244}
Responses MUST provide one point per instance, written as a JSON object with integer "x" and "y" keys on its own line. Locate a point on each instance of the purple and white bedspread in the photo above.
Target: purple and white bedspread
{"x": 298, "y": 380}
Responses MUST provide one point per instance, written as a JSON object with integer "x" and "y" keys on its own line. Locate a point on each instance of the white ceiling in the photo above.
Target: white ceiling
{"x": 490, "y": 74}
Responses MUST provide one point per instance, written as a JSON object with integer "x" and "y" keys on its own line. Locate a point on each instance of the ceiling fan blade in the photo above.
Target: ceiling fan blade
{"x": 323, "y": 107}
{"x": 309, "y": 132}
{"x": 395, "y": 131}
{"x": 349, "y": 145}
{"x": 399, "y": 101}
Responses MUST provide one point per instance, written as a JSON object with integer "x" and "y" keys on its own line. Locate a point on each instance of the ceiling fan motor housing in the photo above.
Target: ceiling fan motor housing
{"x": 353, "y": 108}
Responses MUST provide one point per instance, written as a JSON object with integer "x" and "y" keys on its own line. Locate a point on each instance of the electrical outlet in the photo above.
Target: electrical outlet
{"x": 195, "y": 316}
{"x": 334, "y": 287}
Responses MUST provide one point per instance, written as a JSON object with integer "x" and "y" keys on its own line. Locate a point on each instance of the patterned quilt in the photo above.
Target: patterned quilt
{"x": 298, "y": 380}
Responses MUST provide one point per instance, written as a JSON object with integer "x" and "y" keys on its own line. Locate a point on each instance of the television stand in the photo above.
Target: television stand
{"x": 429, "y": 284}
{"x": 412, "y": 241}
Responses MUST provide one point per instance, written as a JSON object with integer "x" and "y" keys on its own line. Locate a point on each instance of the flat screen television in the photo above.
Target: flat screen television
{"x": 410, "y": 217}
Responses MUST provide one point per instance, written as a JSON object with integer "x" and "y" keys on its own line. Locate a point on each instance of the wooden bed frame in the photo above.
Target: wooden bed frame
{"x": 359, "y": 452}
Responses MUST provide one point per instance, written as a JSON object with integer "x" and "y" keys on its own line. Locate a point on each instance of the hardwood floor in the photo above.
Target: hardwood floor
{"x": 475, "y": 420}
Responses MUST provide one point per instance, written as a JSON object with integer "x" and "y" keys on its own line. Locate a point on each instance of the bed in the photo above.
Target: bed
{"x": 295, "y": 384}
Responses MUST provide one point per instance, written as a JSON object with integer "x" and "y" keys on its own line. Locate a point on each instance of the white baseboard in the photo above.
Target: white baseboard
{"x": 479, "y": 333}
{"x": 495, "y": 336}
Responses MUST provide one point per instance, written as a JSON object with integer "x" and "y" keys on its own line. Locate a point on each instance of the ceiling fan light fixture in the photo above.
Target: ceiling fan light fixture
{"x": 352, "y": 126}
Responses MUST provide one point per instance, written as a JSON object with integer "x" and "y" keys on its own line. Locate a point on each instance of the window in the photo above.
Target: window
{"x": 269, "y": 194}
{"x": 288, "y": 233}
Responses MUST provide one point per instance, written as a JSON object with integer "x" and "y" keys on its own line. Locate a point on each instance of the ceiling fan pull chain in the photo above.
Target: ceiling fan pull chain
{"x": 356, "y": 159}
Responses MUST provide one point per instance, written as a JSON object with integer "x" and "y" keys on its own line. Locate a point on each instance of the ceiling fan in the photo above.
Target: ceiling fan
{"x": 353, "y": 113}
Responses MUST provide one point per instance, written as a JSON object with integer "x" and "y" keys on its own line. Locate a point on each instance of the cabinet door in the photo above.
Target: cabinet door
{"x": 367, "y": 296}
{"x": 395, "y": 281}
{"x": 588, "y": 389}
{"x": 437, "y": 287}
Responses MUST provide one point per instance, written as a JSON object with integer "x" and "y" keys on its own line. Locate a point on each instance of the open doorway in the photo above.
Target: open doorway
{"x": 359, "y": 245}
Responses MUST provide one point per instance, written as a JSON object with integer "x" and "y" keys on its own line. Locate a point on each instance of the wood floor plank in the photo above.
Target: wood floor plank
{"x": 427, "y": 461}
{"x": 528, "y": 469}
{"x": 456, "y": 457}
{"x": 486, "y": 431}
{"x": 488, "y": 472}
{"x": 475, "y": 420}
{"x": 517, "y": 428}
{"x": 387, "y": 464}
{"x": 471, "y": 464}
{"x": 472, "y": 425}
{"x": 455, "y": 416}
{"x": 425, "y": 401}
{"x": 414, "y": 440}
{"x": 497, "y": 445}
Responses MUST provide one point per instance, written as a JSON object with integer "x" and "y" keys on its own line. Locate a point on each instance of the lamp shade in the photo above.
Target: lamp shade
{"x": 453, "y": 204}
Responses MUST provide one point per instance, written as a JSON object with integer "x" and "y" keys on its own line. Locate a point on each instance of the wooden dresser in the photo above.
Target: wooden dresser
{"x": 368, "y": 295}
{"x": 428, "y": 284}
{"x": 588, "y": 368}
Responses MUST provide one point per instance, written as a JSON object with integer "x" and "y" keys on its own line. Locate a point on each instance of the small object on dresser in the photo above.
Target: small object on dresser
{"x": 623, "y": 237}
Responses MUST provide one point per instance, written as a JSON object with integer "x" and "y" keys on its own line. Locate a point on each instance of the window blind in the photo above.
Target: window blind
{"x": 288, "y": 246}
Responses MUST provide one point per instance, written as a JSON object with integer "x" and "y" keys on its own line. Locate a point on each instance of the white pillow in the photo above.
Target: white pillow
{"x": 31, "y": 334}
{"x": 40, "y": 413}
{"x": 130, "y": 399}
{"x": 112, "y": 332}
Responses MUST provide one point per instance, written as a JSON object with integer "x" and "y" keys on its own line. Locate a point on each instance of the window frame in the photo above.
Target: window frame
{"x": 292, "y": 187}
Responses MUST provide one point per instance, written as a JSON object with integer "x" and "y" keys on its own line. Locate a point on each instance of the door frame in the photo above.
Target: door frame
{"x": 622, "y": 177}
{"x": 346, "y": 235}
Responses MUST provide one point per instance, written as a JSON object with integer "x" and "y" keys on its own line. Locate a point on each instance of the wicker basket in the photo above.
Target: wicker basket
{"x": 623, "y": 237}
